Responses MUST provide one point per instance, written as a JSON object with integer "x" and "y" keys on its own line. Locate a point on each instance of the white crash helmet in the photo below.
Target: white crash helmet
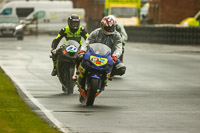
{"x": 108, "y": 25}
{"x": 113, "y": 17}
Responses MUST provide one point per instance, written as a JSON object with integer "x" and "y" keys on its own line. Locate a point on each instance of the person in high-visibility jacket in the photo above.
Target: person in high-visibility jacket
{"x": 190, "y": 22}
{"x": 71, "y": 32}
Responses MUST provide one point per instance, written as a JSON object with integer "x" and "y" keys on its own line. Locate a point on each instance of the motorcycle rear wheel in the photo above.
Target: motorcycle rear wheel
{"x": 91, "y": 91}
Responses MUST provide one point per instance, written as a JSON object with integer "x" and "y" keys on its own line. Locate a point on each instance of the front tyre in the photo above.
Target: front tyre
{"x": 91, "y": 91}
{"x": 71, "y": 82}
{"x": 67, "y": 81}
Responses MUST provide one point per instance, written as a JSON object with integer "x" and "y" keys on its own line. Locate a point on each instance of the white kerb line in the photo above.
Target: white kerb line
{"x": 59, "y": 125}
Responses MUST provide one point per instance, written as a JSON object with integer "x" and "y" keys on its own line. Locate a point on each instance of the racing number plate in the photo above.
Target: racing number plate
{"x": 98, "y": 61}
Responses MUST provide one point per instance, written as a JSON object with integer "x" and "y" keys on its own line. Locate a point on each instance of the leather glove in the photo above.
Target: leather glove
{"x": 81, "y": 52}
{"x": 114, "y": 58}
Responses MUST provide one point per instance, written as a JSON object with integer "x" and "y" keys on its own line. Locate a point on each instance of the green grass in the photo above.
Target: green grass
{"x": 15, "y": 115}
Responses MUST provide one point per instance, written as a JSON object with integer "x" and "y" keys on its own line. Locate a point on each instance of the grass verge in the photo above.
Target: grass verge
{"x": 15, "y": 115}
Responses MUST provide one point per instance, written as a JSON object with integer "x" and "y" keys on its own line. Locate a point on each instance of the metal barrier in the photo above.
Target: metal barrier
{"x": 164, "y": 34}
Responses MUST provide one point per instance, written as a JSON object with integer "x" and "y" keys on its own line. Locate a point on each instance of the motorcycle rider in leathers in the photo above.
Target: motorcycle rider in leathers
{"x": 71, "y": 32}
{"x": 107, "y": 35}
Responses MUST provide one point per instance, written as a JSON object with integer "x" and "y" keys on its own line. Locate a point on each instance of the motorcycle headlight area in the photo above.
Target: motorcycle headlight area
{"x": 98, "y": 61}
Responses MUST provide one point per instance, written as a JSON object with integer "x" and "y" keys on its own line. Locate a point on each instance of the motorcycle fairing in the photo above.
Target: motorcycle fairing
{"x": 71, "y": 48}
{"x": 97, "y": 61}
{"x": 95, "y": 75}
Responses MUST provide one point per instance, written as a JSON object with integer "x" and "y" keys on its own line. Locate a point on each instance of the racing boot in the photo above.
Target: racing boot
{"x": 54, "y": 71}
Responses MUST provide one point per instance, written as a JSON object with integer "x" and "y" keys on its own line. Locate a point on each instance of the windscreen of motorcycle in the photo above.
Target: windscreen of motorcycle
{"x": 72, "y": 42}
{"x": 100, "y": 49}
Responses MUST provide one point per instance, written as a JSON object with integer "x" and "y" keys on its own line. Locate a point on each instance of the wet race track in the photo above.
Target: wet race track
{"x": 160, "y": 92}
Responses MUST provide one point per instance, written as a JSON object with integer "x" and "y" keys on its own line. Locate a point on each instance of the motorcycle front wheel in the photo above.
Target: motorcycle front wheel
{"x": 69, "y": 84}
{"x": 91, "y": 91}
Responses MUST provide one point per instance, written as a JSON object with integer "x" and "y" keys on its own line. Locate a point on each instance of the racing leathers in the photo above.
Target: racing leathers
{"x": 113, "y": 41}
{"x": 69, "y": 34}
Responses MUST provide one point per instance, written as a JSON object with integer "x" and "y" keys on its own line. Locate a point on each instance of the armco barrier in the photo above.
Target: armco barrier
{"x": 164, "y": 34}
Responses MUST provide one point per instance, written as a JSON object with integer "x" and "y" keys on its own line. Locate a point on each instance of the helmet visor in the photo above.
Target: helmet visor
{"x": 75, "y": 24}
{"x": 109, "y": 29}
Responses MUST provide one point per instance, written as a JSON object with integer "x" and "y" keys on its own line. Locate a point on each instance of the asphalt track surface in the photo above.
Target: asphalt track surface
{"x": 160, "y": 92}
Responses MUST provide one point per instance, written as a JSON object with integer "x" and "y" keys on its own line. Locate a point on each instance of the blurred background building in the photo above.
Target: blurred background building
{"x": 154, "y": 12}
{"x": 158, "y": 21}
{"x": 171, "y": 11}
{"x": 94, "y": 11}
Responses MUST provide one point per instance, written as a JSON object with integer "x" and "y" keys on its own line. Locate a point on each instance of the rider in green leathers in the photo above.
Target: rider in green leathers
{"x": 71, "y": 32}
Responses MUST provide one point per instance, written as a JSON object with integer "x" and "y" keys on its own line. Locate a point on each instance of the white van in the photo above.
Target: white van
{"x": 52, "y": 20}
{"x": 22, "y": 9}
